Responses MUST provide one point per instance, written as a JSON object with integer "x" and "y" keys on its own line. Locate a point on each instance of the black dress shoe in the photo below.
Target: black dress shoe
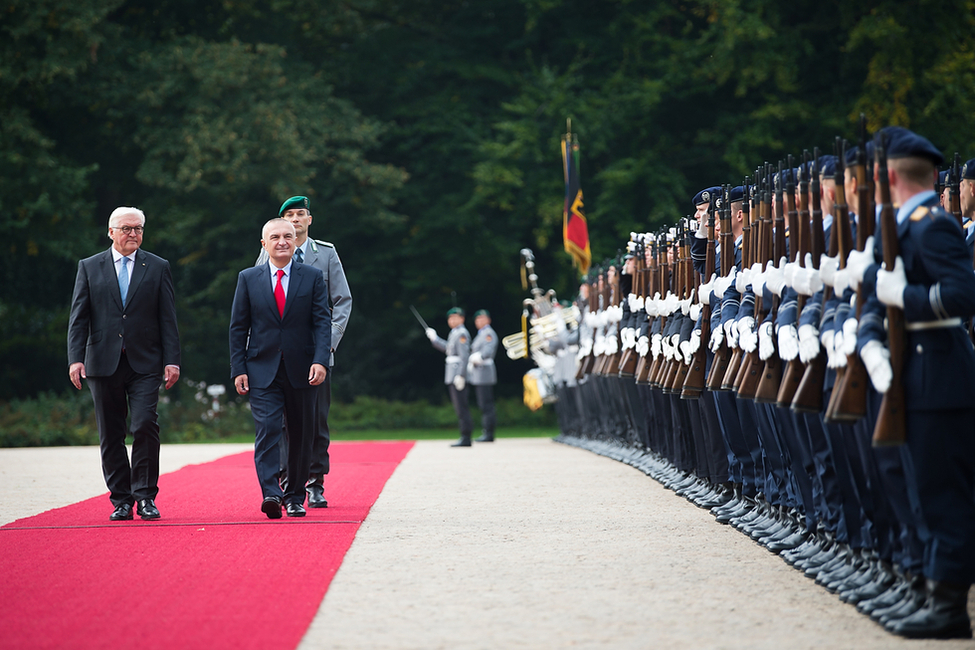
{"x": 316, "y": 496}
{"x": 463, "y": 442}
{"x": 272, "y": 507}
{"x": 122, "y": 512}
{"x": 294, "y": 510}
{"x": 944, "y": 615}
{"x": 147, "y": 509}
{"x": 485, "y": 438}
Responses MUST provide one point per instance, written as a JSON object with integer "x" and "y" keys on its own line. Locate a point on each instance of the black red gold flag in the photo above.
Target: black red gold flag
{"x": 575, "y": 230}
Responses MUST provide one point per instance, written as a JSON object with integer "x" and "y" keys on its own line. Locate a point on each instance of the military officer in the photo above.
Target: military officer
{"x": 933, "y": 284}
{"x": 482, "y": 373}
{"x": 323, "y": 256}
{"x": 457, "y": 347}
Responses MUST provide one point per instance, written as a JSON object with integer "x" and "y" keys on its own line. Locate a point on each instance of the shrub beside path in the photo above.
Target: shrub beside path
{"x": 524, "y": 543}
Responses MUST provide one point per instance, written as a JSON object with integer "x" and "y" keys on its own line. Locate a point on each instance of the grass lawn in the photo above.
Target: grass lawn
{"x": 419, "y": 434}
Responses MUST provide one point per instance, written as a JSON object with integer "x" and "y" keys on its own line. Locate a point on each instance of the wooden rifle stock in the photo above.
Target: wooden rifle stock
{"x": 891, "y": 427}
{"x": 771, "y": 379}
{"x": 696, "y": 380}
{"x": 752, "y": 366}
{"x": 795, "y": 369}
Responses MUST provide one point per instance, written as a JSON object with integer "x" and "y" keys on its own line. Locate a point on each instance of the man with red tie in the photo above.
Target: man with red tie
{"x": 280, "y": 338}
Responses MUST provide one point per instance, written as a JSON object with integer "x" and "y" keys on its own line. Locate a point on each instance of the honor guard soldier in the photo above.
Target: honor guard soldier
{"x": 481, "y": 372}
{"x": 933, "y": 284}
{"x": 457, "y": 347}
{"x": 323, "y": 256}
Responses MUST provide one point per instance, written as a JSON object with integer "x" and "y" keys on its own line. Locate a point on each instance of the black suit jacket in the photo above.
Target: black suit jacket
{"x": 260, "y": 338}
{"x": 99, "y": 325}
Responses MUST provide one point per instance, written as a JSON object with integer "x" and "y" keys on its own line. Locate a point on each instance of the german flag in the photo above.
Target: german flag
{"x": 575, "y": 230}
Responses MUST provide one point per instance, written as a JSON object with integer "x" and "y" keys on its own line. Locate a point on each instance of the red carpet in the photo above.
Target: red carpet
{"x": 214, "y": 572}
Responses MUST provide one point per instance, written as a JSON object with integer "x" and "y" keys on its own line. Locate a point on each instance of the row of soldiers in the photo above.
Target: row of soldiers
{"x": 804, "y": 372}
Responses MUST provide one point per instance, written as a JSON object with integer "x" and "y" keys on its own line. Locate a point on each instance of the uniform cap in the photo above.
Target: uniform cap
{"x": 904, "y": 143}
{"x": 482, "y": 312}
{"x": 705, "y": 195}
{"x": 455, "y": 310}
{"x": 295, "y": 202}
{"x": 968, "y": 170}
{"x": 827, "y": 166}
{"x": 736, "y": 194}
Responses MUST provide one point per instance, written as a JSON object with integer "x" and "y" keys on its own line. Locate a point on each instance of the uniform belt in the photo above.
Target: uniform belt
{"x": 932, "y": 324}
{"x": 453, "y": 359}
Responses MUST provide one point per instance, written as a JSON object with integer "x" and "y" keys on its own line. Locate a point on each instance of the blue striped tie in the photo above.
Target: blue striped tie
{"x": 123, "y": 280}
{"x": 299, "y": 256}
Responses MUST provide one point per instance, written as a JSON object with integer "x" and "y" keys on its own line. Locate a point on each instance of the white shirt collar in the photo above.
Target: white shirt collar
{"x": 116, "y": 256}
{"x": 274, "y": 269}
{"x": 911, "y": 204}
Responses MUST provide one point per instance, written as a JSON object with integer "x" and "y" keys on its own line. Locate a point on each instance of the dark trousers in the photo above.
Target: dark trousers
{"x": 319, "y": 452}
{"x": 115, "y": 397}
{"x": 270, "y": 407}
{"x": 485, "y": 402}
{"x": 459, "y": 399}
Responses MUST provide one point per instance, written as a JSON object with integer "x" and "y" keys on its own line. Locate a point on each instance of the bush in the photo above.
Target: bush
{"x": 193, "y": 414}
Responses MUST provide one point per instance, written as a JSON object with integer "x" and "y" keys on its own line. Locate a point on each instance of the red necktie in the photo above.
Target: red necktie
{"x": 279, "y": 293}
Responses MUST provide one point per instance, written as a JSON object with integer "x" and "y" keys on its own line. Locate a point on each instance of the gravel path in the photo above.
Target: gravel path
{"x": 525, "y": 543}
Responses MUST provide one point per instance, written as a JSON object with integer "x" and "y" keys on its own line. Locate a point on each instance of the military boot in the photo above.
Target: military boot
{"x": 943, "y": 616}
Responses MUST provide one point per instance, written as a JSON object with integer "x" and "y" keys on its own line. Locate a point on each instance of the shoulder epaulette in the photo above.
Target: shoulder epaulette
{"x": 920, "y": 213}
{"x": 324, "y": 243}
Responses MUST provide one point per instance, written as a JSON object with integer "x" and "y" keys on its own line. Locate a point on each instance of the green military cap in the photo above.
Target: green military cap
{"x": 455, "y": 310}
{"x": 295, "y": 202}
{"x": 482, "y": 312}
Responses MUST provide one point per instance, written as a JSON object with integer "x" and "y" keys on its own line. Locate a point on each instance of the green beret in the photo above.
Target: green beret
{"x": 456, "y": 310}
{"x": 482, "y": 312}
{"x": 295, "y": 202}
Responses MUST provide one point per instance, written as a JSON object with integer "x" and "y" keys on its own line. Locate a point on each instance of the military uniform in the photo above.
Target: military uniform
{"x": 482, "y": 375}
{"x": 457, "y": 347}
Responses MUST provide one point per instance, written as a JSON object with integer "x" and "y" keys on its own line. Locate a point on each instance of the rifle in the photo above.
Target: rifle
{"x": 687, "y": 278}
{"x": 771, "y": 381}
{"x": 844, "y": 239}
{"x": 599, "y": 366}
{"x": 696, "y": 380}
{"x": 629, "y": 358}
{"x": 668, "y": 368}
{"x": 954, "y": 192}
{"x": 809, "y": 394}
{"x": 644, "y": 364}
{"x": 722, "y": 358}
{"x": 663, "y": 284}
{"x": 891, "y": 427}
{"x": 728, "y": 381}
{"x": 612, "y": 366}
{"x": 586, "y": 366}
{"x": 849, "y": 400}
{"x": 752, "y": 367}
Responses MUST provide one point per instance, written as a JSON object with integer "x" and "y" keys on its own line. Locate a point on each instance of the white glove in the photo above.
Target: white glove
{"x": 665, "y": 348}
{"x": 476, "y": 359}
{"x": 758, "y": 282}
{"x": 459, "y": 382}
{"x": 431, "y": 334}
{"x": 808, "y": 343}
{"x": 651, "y": 306}
{"x": 766, "y": 343}
{"x": 827, "y": 268}
{"x": 850, "y": 336}
{"x": 685, "y": 305}
{"x": 675, "y": 345}
{"x": 841, "y": 280}
{"x": 643, "y": 346}
{"x": 695, "y": 343}
{"x": 638, "y": 302}
{"x": 891, "y": 285}
{"x": 743, "y": 279}
{"x": 807, "y": 281}
{"x": 656, "y": 345}
{"x": 611, "y": 345}
{"x": 717, "y": 335}
{"x": 695, "y": 311}
{"x": 631, "y": 302}
{"x": 671, "y": 303}
{"x": 747, "y": 338}
{"x": 876, "y": 359}
{"x": 858, "y": 261}
{"x": 731, "y": 332}
{"x": 685, "y": 351}
{"x": 721, "y": 284}
{"x": 704, "y": 292}
{"x": 827, "y": 338}
{"x": 789, "y": 274}
{"x": 788, "y": 343}
{"x": 775, "y": 277}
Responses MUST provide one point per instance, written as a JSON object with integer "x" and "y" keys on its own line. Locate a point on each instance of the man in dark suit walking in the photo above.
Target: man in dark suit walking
{"x": 123, "y": 338}
{"x": 280, "y": 340}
